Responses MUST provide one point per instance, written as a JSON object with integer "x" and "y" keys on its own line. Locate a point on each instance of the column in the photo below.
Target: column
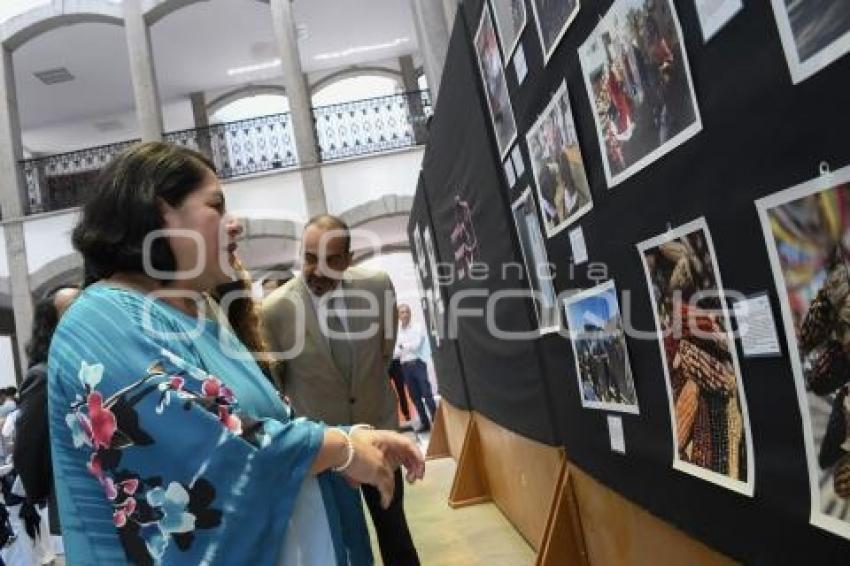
{"x": 148, "y": 109}
{"x": 300, "y": 107}
{"x": 12, "y": 199}
{"x": 429, "y": 16}
{"x": 450, "y": 7}
{"x": 202, "y": 122}
{"x": 414, "y": 98}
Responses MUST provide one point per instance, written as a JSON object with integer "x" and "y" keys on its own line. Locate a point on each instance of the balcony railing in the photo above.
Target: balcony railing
{"x": 373, "y": 125}
{"x": 245, "y": 147}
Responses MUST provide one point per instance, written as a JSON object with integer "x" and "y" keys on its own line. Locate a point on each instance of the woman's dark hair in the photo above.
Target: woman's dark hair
{"x": 44, "y": 321}
{"x": 123, "y": 207}
{"x": 244, "y": 317}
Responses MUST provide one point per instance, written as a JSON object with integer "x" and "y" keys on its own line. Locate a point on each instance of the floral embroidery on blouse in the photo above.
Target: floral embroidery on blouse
{"x": 146, "y": 512}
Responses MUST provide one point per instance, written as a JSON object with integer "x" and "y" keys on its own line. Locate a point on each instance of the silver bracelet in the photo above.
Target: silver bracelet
{"x": 361, "y": 426}
{"x": 350, "y": 458}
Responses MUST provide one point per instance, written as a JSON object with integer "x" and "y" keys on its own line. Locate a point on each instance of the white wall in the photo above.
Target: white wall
{"x": 48, "y": 238}
{"x": 83, "y": 133}
{"x": 12, "y": 8}
{"x": 401, "y": 270}
{"x": 7, "y": 362}
{"x": 278, "y": 196}
{"x": 358, "y": 181}
{"x": 4, "y": 262}
{"x": 177, "y": 115}
{"x": 272, "y": 196}
{"x": 316, "y": 76}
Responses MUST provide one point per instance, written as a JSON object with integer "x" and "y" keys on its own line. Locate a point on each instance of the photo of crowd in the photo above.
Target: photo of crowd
{"x": 553, "y": 17}
{"x": 557, "y": 164}
{"x": 814, "y": 33}
{"x": 536, "y": 261}
{"x": 495, "y": 85}
{"x": 599, "y": 348}
{"x": 510, "y": 19}
{"x": 708, "y": 408}
{"x": 639, "y": 84}
{"x": 807, "y": 230}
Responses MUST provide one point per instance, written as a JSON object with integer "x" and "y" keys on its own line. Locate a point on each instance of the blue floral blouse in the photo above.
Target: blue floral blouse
{"x": 170, "y": 447}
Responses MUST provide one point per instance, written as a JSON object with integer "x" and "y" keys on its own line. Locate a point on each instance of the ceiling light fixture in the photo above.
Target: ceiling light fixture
{"x": 252, "y": 68}
{"x": 361, "y": 49}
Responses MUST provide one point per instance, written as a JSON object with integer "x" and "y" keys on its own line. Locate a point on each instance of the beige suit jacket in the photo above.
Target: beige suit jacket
{"x": 308, "y": 374}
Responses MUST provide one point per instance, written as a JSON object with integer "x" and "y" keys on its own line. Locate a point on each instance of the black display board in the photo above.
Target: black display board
{"x": 760, "y": 134}
{"x": 447, "y": 363}
{"x": 465, "y": 195}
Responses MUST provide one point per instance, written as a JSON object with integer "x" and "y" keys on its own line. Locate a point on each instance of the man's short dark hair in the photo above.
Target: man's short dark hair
{"x": 124, "y": 206}
{"x": 331, "y": 222}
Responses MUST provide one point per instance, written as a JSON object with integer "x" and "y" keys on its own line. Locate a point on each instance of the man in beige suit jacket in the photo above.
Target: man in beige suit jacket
{"x": 334, "y": 328}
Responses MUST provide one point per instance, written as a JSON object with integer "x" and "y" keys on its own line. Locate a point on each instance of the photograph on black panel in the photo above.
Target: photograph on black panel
{"x": 605, "y": 377}
{"x": 708, "y": 407}
{"x": 553, "y": 17}
{"x": 495, "y": 85}
{"x": 557, "y": 164}
{"x": 434, "y": 295}
{"x": 510, "y": 19}
{"x": 426, "y": 292}
{"x": 538, "y": 272}
{"x": 807, "y": 231}
{"x": 637, "y": 77}
{"x": 814, "y": 33}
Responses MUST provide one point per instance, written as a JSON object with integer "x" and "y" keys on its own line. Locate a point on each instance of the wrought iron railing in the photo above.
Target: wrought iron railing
{"x": 373, "y": 125}
{"x": 245, "y": 147}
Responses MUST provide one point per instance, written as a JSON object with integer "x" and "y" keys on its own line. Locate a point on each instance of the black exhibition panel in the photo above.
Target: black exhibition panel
{"x": 446, "y": 358}
{"x": 760, "y": 134}
{"x": 468, "y": 203}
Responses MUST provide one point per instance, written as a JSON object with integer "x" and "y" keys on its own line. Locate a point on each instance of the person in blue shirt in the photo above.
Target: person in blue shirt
{"x": 169, "y": 445}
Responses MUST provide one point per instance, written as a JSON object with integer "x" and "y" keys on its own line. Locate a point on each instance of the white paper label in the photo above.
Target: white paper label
{"x": 714, "y": 14}
{"x": 578, "y": 245}
{"x": 520, "y": 65}
{"x": 509, "y": 173}
{"x": 615, "y": 431}
{"x": 519, "y": 164}
{"x": 757, "y": 327}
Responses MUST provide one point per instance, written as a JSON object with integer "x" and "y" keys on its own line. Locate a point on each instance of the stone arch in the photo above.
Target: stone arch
{"x": 155, "y": 10}
{"x": 355, "y": 71}
{"x": 22, "y": 28}
{"x": 65, "y": 270}
{"x": 383, "y": 207}
{"x": 384, "y": 250}
{"x": 242, "y": 92}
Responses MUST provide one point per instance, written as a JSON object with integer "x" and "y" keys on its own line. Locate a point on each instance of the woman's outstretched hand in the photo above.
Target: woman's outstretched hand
{"x": 377, "y": 454}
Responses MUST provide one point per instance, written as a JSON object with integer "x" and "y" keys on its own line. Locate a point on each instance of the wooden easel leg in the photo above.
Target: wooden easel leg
{"x": 563, "y": 540}
{"x": 470, "y": 483}
{"x": 438, "y": 445}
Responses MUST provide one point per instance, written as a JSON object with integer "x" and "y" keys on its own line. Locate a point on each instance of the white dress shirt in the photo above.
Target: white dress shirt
{"x": 408, "y": 343}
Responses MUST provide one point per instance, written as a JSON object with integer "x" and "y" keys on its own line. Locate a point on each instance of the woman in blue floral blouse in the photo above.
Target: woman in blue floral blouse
{"x": 169, "y": 445}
